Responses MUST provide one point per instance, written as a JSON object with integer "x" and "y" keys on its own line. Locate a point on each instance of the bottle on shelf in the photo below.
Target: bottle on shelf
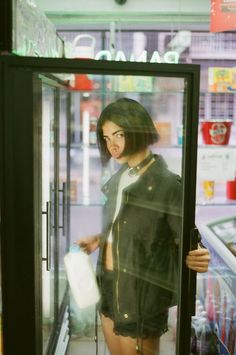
{"x": 231, "y": 189}
{"x": 92, "y": 131}
{"x": 207, "y": 342}
{"x": 208, "y": 189}
{"x": 232, "y": 331}
{"x": 224, "y": 315}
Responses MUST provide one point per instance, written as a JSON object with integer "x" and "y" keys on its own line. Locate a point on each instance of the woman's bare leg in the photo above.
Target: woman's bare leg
{"x": 121, "y": 345}
{"x": 149, "y": 346}
{"x": 112, "y": 340}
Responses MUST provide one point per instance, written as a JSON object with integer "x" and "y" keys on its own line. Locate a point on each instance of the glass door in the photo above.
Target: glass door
{"x": 49, "y": 211}
{"x": 64, "y": 187}
{"x": 55, "y": 205}
{"x": 169, "y": 93}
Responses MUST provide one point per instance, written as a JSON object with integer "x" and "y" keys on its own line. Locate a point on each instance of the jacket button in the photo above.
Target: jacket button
{"x": 124, "y": 270}
{"x": 126, "y": 316}
{"x": 125, "y": 222}
{"x": 149, "y": 188}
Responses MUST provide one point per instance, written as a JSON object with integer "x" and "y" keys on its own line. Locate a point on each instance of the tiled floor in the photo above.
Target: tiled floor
{"x": 86, "y": 345}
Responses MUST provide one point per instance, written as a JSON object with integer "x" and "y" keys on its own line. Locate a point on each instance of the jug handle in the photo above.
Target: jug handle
{"x": 79, "y": 37}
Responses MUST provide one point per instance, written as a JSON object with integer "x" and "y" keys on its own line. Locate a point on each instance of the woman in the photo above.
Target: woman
{"x": 142, "y": 221}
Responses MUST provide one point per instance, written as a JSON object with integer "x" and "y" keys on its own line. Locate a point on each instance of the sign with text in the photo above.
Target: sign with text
{"x": 216, "y": 164}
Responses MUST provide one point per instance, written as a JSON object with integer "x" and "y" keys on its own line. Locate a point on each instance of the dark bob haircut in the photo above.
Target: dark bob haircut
{"x": 136, "y": 122}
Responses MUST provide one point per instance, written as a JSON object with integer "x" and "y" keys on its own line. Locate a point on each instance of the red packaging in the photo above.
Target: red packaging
{"x": 231, "y": 189}
{"x": 216, "y": 132}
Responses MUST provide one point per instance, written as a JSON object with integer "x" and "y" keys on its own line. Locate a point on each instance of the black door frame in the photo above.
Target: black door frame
{"x": 17, "y": 189}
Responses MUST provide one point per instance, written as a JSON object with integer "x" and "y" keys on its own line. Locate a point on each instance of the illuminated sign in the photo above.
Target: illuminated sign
{"x": 171, "y": 57}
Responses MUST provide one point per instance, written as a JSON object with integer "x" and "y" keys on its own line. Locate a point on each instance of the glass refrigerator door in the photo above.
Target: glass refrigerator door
{"x": 63, "y": 169}
{"x": 165, "y": 98}
{"x": 48, "y": 211}
{"x": 170, "y": 94}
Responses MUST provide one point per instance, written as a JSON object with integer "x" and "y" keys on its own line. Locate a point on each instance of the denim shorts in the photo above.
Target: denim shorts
{"x": 153, "y": 326}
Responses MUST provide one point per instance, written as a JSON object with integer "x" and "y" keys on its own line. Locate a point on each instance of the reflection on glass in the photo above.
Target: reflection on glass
{"x": 48, "y": 203}
{"x": 226, "y": 232}
{"x": 63, "y": 170}
{"x": 141, "y": 230}
{"x": 162, "y": 97}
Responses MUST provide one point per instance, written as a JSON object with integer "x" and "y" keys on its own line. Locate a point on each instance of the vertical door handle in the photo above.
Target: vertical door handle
{"x": 47, "y": 213}
{"x": 192, "y": 285}
{"x": 63, "y": 191}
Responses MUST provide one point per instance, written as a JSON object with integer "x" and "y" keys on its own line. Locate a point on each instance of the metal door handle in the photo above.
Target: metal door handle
{"x": 63, "y": 190}
{"x": 192, "y": 284}
{"x": 48, "y": 236}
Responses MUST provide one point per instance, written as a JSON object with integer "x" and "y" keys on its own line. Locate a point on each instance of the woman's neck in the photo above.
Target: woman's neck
{"x": 140, "y": 162}
{"x": 137, "y": 158}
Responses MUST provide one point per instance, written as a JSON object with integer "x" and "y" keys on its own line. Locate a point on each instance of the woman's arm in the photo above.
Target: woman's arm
{"x": 89, "y": 244}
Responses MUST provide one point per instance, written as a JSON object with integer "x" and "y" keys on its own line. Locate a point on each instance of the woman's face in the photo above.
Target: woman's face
{"x": 115, "y": 141}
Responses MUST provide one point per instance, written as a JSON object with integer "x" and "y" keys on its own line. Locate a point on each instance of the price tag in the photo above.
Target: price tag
{"x": 216, "y": 164}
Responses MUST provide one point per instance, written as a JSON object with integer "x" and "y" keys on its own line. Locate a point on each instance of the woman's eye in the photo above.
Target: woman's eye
{"x": 119, "y": 135}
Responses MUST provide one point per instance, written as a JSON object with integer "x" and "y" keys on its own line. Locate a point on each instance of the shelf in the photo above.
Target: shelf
{"x": 94, "y": 149}
{"x": 211, "y": 146}
{"x": 98, "y": 91}
{"x": 216, "y": 201}
{"x": 200, "y": 146}
{"x": 155, "y": 148}
{"x": 217, "y": 93}
{"x": 74, "y": 204}
{"x": 198, "y": 204}
{"x": 215, "y": 204}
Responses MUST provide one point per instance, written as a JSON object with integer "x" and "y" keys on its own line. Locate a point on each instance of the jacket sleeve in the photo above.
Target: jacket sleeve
{"x": 175, "y": 215}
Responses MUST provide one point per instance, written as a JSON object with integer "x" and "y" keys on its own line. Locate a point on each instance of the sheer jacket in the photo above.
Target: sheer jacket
{"x": 145, "y": 241}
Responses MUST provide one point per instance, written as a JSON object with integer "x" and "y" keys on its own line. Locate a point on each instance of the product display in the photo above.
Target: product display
{"x": 164, "y": 131}
{"x": 180, "y": 135}
{"x": 231, "y": 189}
{"x": 216, "y": 289}
{"x": 221, "y": 79}
{"x": 208, "y": 189}
{"x": 216, "y": 131}
{"x": 64, "y": 163}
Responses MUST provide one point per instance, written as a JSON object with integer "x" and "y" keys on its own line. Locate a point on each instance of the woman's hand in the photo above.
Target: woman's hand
{"x": 89, "y": 244}
{"x": 198, "y": 260}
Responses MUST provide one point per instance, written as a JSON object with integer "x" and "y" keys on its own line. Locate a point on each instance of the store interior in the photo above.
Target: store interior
{"x": 174, "y": 32}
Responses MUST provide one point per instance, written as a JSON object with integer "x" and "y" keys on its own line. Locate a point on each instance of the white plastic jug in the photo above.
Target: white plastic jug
{"x": 84, "y": 51}
{"x": 81, "y": 277}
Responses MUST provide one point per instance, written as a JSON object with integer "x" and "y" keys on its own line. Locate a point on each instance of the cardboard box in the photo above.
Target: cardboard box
{"x": 221, "y": 79}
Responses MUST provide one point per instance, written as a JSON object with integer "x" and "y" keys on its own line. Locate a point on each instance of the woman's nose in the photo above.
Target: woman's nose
{"x": 111, "y": 141}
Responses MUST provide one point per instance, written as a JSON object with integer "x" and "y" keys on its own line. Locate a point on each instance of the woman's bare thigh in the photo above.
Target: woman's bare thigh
{"x": 130, "y": 346}
{"x": 121, "y": 345}
{"x": 111, "y": 339}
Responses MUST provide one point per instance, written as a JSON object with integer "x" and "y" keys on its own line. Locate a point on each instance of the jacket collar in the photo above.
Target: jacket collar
{"x": 156, "y": 169}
